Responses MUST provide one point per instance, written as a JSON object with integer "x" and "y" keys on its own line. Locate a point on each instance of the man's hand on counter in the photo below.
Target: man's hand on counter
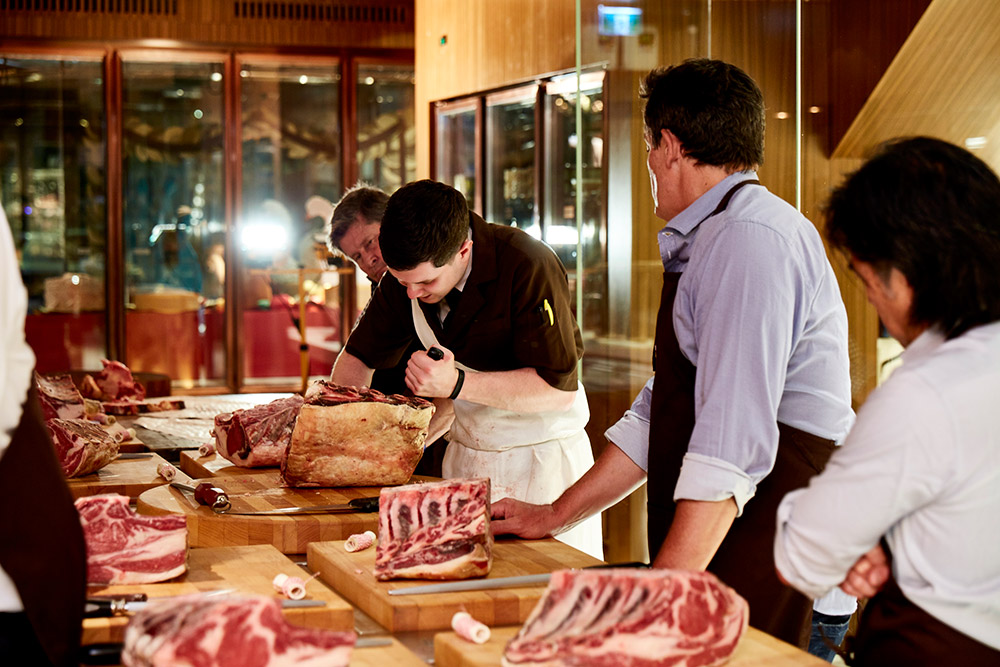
{"x": 514, "y": 517}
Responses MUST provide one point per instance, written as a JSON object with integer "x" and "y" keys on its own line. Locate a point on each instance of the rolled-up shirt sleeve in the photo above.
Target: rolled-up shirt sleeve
{"x": 631, "y": 433}
{"x": 713, "y": 479}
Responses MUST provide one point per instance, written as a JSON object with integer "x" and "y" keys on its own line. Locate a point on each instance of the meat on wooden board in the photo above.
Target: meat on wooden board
{"x": 257, "y": 437}
{"x": 82, "y": 446}
{"x": 128, "y": 548}
{"x": 113, "y": 383}
{"x": 630, "y": 617}
{"x": 436, "y": 530}
{"x": 354, "y": 436}
{"x": 206, "y": 631}
{"x": 59, "y": 396}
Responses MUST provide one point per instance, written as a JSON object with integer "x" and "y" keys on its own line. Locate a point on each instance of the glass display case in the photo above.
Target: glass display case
{"x": 174, "y": 216}
{"x": 456, "y": 148}
{"x": 52, "y": 189}
{"x": 292, "y": 151}
{"x": 387, "y": 150}
{"x": 510, "y": 160}
{"x": 580, "y": 241}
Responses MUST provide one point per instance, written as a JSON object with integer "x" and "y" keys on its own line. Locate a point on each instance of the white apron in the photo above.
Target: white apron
{"x": 532, "y": 457}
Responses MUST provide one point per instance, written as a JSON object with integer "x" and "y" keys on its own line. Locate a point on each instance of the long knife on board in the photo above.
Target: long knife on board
{"x": 368, "y": 505}
{"x": 110, "y": 653}
{"x": 496, "y": 582}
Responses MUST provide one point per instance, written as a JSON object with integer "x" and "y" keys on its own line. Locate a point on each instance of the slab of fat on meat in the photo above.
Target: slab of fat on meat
{"x": 128, "y": 548}
{"x": 625, "y": 616}
{"x": 230, "y": 631}
{"x": 437, "y": 530}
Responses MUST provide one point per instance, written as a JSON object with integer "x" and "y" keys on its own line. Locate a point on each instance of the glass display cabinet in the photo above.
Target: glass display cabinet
{"x": 456, "y": 148}
{"x": 511, "y": 158}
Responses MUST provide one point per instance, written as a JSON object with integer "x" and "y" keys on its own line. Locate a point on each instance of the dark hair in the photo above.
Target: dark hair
{"x": 931, "y": 210}
{"x": 424, "y": 221}
{"x": 715, "y": 109}
{"x": 362, "y": 199}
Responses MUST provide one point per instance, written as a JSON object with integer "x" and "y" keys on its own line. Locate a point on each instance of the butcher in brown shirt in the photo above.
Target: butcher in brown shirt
{"x": 496, "y": 302}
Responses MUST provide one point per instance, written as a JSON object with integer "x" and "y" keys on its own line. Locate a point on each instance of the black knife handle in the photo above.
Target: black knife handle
{"x": 101, "y": 654}
{"x": 369, "y": 504}
{"x": 435, "y": 353}
{"x": 98, "y": 608}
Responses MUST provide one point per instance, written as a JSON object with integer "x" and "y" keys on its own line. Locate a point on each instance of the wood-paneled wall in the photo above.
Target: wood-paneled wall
{"x": 329, "y": 24}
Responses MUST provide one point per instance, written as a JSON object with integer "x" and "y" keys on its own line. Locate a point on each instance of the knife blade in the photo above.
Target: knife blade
{"x": 98, "y": 608}
{"x": 497, "y": 582}
{"x": 366, "y": 505}
{"x": 110, "y": 653}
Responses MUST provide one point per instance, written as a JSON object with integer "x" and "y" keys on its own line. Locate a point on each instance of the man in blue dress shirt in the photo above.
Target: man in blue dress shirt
{"x": 751, "y": 390}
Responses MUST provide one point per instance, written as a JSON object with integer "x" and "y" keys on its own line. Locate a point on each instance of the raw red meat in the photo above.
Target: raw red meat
{"x": 127, "y": 408}
{"x": 204, "y": 631}
{"x": 259, "y": 436}
{"x": 351, "y": 436}
{"x": 128, "y": 548}
{"x": 648, "y": 618}
{"x": 59, "y": 397}
{"x": 437, "y": 530}
{"x": 82, "y": 446}
{"x": 115, "y": 383}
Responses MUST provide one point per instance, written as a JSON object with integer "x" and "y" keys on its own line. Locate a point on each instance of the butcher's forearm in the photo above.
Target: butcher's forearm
{"x": 350, "y": 371}
{"x": 612, "y": 477}
{"x": 521, "y": 390}
{"x": 697, "y": 530}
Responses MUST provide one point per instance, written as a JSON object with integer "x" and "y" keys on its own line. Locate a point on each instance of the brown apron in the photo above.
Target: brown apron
{"x": 41, "y": 541}
{"x": 745, "y": 560}
{"x": 894, "y": 631}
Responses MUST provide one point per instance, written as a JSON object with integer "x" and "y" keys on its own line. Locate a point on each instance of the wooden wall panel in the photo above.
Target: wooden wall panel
{"x": 377, "y": 24}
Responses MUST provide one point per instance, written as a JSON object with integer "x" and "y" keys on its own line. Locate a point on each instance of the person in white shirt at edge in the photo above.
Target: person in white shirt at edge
{"x": 752, "y": 387}
{"x": 917, "y": 481}
{"x": 42, "y": 554}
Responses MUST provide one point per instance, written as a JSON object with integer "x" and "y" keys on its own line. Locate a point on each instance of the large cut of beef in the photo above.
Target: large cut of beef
{"x": 82, "y": 446}
{"x": 128, "y": 548}
{"x": 113, "y": 383}
{"x": 206, "y": 631}
{"x": 126, "y": 408}
{"x": 437, "y": 530}
{"x": 591, "y": 618}
{"x": 259, "y": 436}
{"x": 59, "y": 396}
{"x": 351, "y": 436}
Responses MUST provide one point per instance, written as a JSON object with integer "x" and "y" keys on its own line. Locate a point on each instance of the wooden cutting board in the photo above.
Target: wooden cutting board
{"x": 394, "y": 655}
{"x": 351, "y": 575}
{"x": 128, "y": 477}
{"x": 242, "y": 569}
{"x": 756, "y": 649}
{"x": 213, "y": 465}
{"x": 289, "y": 534}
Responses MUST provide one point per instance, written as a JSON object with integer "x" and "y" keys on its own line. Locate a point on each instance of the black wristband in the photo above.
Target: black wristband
{"x": 458, "y": 384}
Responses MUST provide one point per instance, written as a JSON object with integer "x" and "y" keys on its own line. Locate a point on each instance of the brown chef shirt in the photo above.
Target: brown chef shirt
{"x": 501, "y": 322}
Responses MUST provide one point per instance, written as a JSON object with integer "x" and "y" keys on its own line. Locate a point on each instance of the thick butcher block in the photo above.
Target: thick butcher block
{"x": 289, "y": 534}
{"x": 239, "y": 569}
{"x": 213, "y": 465}
{"x": 352, "y": 575}
{"x": 756, "y": 649}
{"x": 126, "y": 476}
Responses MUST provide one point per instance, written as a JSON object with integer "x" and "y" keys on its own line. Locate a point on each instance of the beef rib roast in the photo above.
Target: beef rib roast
{"x": 231, "y": 631}
{"x": 128, "y": 548}
{"x": 355, "y": 436}
{"x": 82, "y": 446}
{"x": 113, "y": 383}
{"x": 257, "y": 437}
{"x": 436, "y": 530}
{"x": 630, "y": 617}
{"x": 59, "y": 397}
